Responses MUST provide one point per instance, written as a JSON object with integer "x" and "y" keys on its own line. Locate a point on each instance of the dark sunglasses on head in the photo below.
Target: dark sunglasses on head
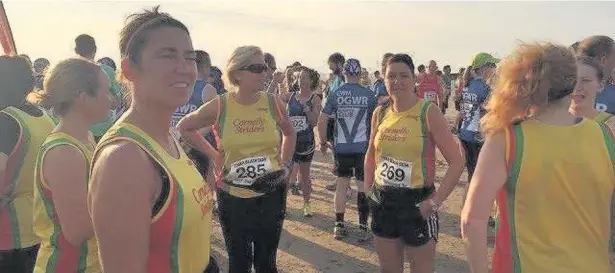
{"x": 255, "y": 68}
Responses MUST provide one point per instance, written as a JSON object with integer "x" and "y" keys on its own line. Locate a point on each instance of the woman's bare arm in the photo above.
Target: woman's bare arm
{"x": 370, "y": 156}
{"x": 65, "y": 173}
{"x": 289, "y": 137}
{"x": 190, "y": 125}
{"x": 488, "y": 179}
{"x": 124, "y": 187}
{"x": 444, "y": 140}
{"x": 312, "y": 115}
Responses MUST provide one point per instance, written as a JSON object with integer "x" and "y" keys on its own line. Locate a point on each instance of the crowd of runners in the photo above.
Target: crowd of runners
{"x": 115, "y": 168}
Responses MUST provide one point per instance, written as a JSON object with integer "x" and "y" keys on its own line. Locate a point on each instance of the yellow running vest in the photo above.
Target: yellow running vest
{"x": 603, "y": 117}
{"x": 249, "y": 140}
{"x": 180, "y": 232}
{"x": 404, "y": 148}
{"x": 56, "y": 254}
{"x": 16, "y": 217}
{"x": 555, "y": 205}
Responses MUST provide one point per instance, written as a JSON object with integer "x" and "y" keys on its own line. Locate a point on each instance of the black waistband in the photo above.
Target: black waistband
{"x": 400, "y": 196}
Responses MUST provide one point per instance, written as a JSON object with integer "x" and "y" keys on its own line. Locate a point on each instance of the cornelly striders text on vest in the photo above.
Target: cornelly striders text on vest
{"x": 204, "y": 198}
{"x": 249, "y": 126}
{"x": 394, "y": 134}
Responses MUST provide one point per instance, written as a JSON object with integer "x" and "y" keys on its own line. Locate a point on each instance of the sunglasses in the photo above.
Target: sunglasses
{"x": 255, "y": 68}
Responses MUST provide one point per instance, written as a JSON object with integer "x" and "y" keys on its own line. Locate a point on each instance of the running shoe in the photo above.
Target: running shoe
{"x": 491, "y": 222}
{"x": 307, "y": 210}
{"x": 348, "y": 194}
{"x": 294, "y": 189}
{"x": 339, "y": 231}
{"x": 331, "y": 186}
{"x": 364, "y": 234}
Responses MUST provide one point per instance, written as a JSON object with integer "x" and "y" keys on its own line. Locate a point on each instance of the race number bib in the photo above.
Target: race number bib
{"x": 471, "y": 117}
{"x": 244, "y": 172}
{"x": 467, "y": 110}
{"x": 393, "y": 172}
{"x": 430, "y": 95}
{"x": 299, "y": 123}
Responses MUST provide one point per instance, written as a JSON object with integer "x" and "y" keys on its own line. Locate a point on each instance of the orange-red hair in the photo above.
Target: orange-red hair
{"x": 527, "y": 81}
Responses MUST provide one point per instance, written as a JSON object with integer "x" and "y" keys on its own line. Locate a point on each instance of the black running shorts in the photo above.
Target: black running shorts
{"x": 349, "y": 165}
{"x": 395, "y": 215}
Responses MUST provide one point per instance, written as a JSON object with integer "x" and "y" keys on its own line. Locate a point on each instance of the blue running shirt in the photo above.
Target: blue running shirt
{"x": 605, "y": 100}
{"x": 195, "y": 101}
{"x": 472, "y": 100}
{"x": 351, "y": 106}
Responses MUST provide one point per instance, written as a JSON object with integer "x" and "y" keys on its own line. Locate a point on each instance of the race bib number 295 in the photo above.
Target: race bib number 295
{"x": 246, "y": 171}
{"x": 393, "y": 172}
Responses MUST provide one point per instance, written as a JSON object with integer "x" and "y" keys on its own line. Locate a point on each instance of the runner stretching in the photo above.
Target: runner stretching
{"x": 351, "y": 107}
{"x": 150, "y": 207}
{"x": 252, "y": 170}
{"x": 551, "y": 172}
{"x": 23, "y": 129}
{"x": 400, "y": 172}
{"x": 78, "y": 92}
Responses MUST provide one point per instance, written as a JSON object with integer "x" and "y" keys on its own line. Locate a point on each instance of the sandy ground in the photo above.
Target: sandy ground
{"x": 307, "y": 244}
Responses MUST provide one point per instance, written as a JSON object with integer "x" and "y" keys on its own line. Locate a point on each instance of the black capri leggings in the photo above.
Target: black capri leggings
{"x": 472, "y": 149}
{"x": 247, "y": 221}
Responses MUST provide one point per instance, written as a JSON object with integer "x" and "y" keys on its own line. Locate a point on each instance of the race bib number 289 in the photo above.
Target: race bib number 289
{"x": 246, "y": 171}
{"x": 393, "y": 172}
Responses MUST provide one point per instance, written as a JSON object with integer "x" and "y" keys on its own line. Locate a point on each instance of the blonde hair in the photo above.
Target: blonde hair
{"x": 65, "y": 81}
{"x": 532, "y": 77}
{"x": 238, "y": 60}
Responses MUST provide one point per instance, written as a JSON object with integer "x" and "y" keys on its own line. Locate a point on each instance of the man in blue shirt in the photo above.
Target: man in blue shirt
{"x": 351, "y": 106}
{"x": 602, "y": 49}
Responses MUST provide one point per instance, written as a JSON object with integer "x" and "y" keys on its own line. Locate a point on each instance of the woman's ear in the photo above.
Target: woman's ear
{"x": 128, "y": 69}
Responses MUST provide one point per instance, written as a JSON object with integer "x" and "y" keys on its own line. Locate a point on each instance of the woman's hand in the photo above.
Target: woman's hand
{"x": 218, "y": 163}
{"x": 427, "y": 207}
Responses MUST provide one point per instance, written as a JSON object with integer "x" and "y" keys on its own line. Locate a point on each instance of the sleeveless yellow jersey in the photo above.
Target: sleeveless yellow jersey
{"x": 603, "y": 117}
{"x": 180, "y": 232}
{"x": 16, "y": 217}
{"x": 555, "y": 206}
{"x": 248, "y": 138}
{"x": 404, "y": 148}
{"x": 56, "y": 254}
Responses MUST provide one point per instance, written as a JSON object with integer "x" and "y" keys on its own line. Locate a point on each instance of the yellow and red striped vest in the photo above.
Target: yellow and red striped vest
{"x": 405, "y": 150}
{"x": 16, "y": 217}
{"x": 555, "y": 206}
{"x": 180, "y": 232}
{"x": 56, "y": 254}
{"x": 603, "y": 117}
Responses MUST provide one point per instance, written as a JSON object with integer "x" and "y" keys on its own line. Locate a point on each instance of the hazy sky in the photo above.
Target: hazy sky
{"x": 309, "y": 31}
